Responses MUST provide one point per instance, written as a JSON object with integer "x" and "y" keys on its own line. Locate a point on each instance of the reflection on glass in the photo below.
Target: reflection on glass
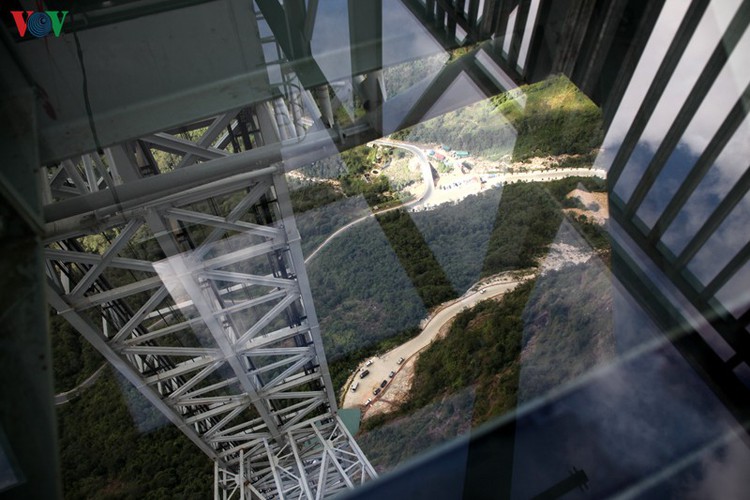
{"x": 403, "y": 218}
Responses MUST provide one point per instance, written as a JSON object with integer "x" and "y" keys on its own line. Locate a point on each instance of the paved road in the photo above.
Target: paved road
{"x": 424, "y": 163}
{"x": 540, "y": 176}
{"x": 382, "y": 365}
{"x": 67, "y": 396}
{"x": 426, "y": 177}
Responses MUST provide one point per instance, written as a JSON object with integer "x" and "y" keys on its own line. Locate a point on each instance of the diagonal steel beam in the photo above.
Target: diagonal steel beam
{"x": 201, "y": 300}
{"x": 96, "y": 339}
{"x": 96, "y": 270}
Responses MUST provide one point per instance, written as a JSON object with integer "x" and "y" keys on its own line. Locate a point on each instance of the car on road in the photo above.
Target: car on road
{"x": 354, "y": 387}
{"x": 369, "y": 362}
{"x": 364, "y": 373}
{"x": 383, "y": 383}
{"x": 400, "y": 360}
{"x": 391, "y": 374}
{"x": 376, "y": 391}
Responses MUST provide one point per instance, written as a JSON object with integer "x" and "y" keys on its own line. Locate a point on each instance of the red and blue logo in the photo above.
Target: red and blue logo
{"x": 39, "y": 24}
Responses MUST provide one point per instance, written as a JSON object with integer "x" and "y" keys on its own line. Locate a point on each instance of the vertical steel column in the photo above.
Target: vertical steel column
{"x": 324, "y": 102}
{"x": 269, "y": 129}
{"x": 216, "y": 480}
{"x": 241, "y": 475}
{"x": 366, "y": 41}
{"x": 298, "y": 112}
{"x": 282, "y": 120}
{"x": 298, "y": 261}
{"x": 28, "y": 441}
{"x": 357, "y": 450}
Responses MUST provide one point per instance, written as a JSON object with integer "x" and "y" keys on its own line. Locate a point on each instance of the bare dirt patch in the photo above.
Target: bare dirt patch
{"x": 597, "y": 207}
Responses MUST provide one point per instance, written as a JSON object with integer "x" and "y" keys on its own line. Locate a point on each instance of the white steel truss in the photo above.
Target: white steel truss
{"x": 201, "y": 300}
{"x": 177, "y": 256}
{"x": 319, "y": 459}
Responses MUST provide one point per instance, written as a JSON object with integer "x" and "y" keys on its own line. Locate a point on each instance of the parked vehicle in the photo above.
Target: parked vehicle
{"x": 369, "y": 362}
{"x": 376, "y": 391}
{"x": 364, "y": 373}
{"x": 391, "y": 374}
{"x": 354, "y": 387}
{"x": 400, "y": 360}
{"x": 383, "y": 383}
{"x": 367, "y": 403}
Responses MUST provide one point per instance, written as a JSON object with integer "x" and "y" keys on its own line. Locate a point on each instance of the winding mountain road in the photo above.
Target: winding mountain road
{"x": 426, "y": 177}
{"x": 429, "y": 181}
{"x": 382, "y": 365}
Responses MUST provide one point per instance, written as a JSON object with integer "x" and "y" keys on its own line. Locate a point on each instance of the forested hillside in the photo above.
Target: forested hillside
{"x": 543, "y": 334}
{"x": 74, "y": 358}
{"x": 374, "y": 285}
{"x": 382, "y": 275}
{"x": 352, "y": 170}
{"x": 460, "y": 381}
{"x": 402, "y": 77}
{"x": 567, "y": 327}
{"x": 379, "y": 280}
{"x": 115, "y": 445}
{"x": 551, "y": 117}
{"x": 482, "y": 347}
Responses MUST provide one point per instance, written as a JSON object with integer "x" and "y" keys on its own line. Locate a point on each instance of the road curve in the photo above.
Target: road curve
{"x": 496, "y": 179}
{"x": 426, "y": 177}
{"x": 424, "y": 164}
{"x": 383, "y": 365}
{"x": 67, "y": 396}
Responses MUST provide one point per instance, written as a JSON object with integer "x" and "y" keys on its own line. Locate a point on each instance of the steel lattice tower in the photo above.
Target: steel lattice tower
{"x": 188, "y": 274}
{"x": 201, "y": 300}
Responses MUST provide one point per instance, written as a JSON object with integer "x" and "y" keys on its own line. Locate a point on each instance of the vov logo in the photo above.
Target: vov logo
{"x": 39, "y": 24}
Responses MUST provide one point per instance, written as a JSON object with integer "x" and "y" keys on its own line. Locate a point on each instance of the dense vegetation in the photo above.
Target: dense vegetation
{"x": 460, "y": 381}
{"x": 314, "y": 195}
{"x": 544, "y": 333}
{"x": 402, "y": 77}
{"x": 352, "y": 171}
{"x": 557, "y": 119}
{"x": 551, "y": 117}
{"x": 527, "y": 221}
{"x": 316, "y": 224}
{"x": 567, "y": 327}
{"x": 393, "y": 442}
{"x": 482, "y": 347}
{"x": 374, "y": 286}
{"x": 416, "y": 258}
{"x": 528, "y": 218}
{"x": 113, "y": 444}
{"x": 75, "y": 359}
{"x": 387, "y": 272}
{"x": 459, "y": 234}
{"x": 362, "y": 293}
